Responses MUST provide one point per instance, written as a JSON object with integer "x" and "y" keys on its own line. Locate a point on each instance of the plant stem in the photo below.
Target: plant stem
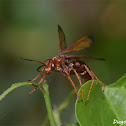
{"x": 46, "y": 121}
{"x": 45, "y": 92}
{"x": 66, "y": 102}
{"x": 58, "y": 111}
{"x": 64, "y": 105}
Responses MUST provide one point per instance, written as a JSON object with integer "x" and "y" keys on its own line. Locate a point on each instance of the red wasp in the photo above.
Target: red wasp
{"x": 69, "y": 65}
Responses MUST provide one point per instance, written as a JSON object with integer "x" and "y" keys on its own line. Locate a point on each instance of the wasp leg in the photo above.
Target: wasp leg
{"x": 39, "y": 81}
{"x": 38, "y": 84}
{"x": 78, "y": 77}
{"x": 72, "y": 83}
{"x": 92, "y": 76}
{"x": 99, "y": 81}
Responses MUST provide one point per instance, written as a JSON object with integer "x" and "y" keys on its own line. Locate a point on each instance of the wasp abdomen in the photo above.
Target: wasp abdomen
{"x": 80, "y": 68}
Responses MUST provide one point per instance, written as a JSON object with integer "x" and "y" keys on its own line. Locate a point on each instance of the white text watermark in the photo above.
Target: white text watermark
{"x": 115, "y": 121}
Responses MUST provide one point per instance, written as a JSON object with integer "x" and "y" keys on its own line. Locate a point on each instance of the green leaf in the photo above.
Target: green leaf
{"x": 14, "y": 86}
{"x": 103, "y": 107}
{"x": 121, "y": 83}
{"x": 75, "y": 124}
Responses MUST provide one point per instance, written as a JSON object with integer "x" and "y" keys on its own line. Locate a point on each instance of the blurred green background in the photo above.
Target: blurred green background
{"x": 28, "y": 28}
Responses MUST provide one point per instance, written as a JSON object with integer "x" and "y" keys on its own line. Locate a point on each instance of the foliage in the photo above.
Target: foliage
{"x": 101, "y": 109}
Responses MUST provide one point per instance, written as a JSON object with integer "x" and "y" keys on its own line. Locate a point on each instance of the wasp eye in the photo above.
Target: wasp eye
{"x": 52, "y": 64}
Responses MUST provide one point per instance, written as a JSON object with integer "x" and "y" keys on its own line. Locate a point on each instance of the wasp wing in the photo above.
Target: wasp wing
{"x": 84, "y": 42}
{"x": 81, "y": 56}
{"x": 62, "y": 39}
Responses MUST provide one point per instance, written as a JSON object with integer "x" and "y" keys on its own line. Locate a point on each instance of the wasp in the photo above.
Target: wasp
{"x": 69, "y": 64}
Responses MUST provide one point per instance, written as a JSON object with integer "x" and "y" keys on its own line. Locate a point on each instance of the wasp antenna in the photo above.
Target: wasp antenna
{"x": 25, "y": 59}
{"x": 39, "y": 68}
{"x": 33, "y": 60}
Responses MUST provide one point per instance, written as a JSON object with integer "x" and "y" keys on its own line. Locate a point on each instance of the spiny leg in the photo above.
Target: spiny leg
{"x": 92, "y": 76}
{"x": 42, "y": 78}
{"x": 38, "y": 75}
{"x": 74, "y": 87}
{"x": 72, "y": 83}
{"x": 79, "y": 82}
{"x": 99, "y": 81}
{"x": 38, "y": 84}
{"x": 89, "y": 91}
{"x": 36, "y": 78}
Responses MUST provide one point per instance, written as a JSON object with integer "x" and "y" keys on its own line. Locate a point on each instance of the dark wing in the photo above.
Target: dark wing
{"x": 62, "y": 39}
{"x": 84, "y": 42}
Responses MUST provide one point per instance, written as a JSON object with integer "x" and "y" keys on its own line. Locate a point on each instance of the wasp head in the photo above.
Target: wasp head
{"x": 49, "y": 66}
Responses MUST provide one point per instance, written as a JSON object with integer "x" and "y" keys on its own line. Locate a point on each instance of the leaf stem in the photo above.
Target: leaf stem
{"x": 58, "y": 111}
{"x": 45, "y": 92}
